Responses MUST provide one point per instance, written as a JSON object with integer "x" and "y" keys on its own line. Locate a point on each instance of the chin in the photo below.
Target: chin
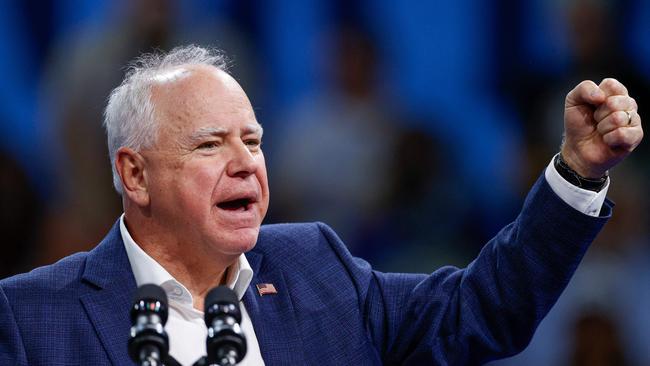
{"x": 241, "y": 241}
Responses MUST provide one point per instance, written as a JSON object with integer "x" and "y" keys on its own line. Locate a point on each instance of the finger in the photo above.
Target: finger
{"x": 587, "y": 92}
{"x": 635, "y": 120}
{"x": 612, "y": 87}
{"x": 614, "y": 103}
{"x": 618, "y": 119}
{"x": 624, "y": 138}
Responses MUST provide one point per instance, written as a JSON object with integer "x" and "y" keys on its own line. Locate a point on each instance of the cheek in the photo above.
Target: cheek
{"x": 264, "y": 185}
{"x": 202, "y": 181}
{"x": 261, "y": 173}
{"x": 196, "y": 185}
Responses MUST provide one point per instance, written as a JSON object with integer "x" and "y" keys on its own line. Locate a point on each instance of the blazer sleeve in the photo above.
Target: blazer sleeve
{"x": 491, "y": 308}
{"x": 12, "y": 350}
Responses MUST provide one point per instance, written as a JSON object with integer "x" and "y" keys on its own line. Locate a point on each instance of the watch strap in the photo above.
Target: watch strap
{"x": 576, "y": 179}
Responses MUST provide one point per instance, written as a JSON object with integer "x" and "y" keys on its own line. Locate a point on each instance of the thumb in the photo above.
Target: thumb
{"x": 587, "y": 92}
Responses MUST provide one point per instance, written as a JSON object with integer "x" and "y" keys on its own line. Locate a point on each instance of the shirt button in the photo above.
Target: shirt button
{"x": 177, "y": 291}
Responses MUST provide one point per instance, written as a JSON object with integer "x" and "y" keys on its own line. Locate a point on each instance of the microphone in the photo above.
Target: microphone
{"x": 149, "y": 344}
{"x": 226, "y": 343}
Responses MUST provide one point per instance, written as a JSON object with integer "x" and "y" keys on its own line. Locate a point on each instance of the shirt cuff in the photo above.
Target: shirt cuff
{"x": 586, "y": 201}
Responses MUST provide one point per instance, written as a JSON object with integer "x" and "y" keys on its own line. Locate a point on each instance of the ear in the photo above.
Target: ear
{"x": 130, "y": 165}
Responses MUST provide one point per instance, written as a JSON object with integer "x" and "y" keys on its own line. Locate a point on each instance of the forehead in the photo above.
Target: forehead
{"x": 200, "y": 98}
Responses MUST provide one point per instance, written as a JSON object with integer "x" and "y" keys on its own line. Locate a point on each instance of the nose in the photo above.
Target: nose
{"x": 242, "y": 162}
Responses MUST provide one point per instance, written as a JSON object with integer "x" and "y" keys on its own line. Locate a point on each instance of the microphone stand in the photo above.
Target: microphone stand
{"x": 171, "y": 361}
{"x": 154, "y": 360}
{"x": 226, "y": 360}
{"x": 201, "y": 362}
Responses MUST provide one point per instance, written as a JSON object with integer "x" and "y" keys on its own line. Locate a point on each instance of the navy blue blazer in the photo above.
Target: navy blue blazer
{"x": 331, "y": 308}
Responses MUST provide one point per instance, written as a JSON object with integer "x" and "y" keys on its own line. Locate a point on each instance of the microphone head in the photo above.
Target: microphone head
{"x": 150, "y": 299}
{"x": 225, "y": 341}
{"x": 148, "y": 317}
{"x": 221, "y": 301}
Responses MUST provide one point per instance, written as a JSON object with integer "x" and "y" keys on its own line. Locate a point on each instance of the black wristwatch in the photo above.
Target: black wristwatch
{"x": 576, "y": 179}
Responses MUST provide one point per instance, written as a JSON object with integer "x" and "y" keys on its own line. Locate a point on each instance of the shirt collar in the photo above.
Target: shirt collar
{"x": 147, "y": 270}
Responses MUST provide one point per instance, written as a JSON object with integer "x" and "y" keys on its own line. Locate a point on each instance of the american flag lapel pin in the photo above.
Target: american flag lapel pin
{"x": 266, "y": 289}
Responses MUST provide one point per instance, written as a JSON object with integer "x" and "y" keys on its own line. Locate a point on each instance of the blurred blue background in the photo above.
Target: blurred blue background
{"x": 414, "y": 128}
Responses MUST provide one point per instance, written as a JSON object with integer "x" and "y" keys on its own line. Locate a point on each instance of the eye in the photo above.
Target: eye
{"x": 253, "y": 143}
{"x": 208, "y": 145}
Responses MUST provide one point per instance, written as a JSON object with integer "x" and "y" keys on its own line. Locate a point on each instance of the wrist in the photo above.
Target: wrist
{"x": 575, "y": 164}
{"x": 572, "y": 176}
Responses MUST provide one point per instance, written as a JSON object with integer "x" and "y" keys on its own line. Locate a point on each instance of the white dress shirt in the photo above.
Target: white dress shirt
{"x": 185, "y": 326}
{"x": 585, "y": 201}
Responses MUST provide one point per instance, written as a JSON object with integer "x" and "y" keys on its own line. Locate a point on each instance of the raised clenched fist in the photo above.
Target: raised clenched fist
{"x": 601, "y": 127}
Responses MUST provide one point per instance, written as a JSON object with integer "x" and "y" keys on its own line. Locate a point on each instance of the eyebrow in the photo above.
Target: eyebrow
{"x": 204, "y": 132}
{"x": 253, "y": 128}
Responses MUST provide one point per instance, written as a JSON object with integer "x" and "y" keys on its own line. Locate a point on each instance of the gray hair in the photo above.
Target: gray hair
{"x": 129, "y": 117}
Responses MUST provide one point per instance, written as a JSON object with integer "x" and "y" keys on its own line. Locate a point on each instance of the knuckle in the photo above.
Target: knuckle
{"x": 618, "y": 135}
{"x": 619, "y": 118}
{"x": 612, "y": 103}
{"x": 607, "y": 81}
{"x": 610, "y": 82}
{"x": 586, "y": 85}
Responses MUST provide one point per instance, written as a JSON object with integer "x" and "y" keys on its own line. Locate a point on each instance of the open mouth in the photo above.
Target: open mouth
{"x": 241, "y": 204}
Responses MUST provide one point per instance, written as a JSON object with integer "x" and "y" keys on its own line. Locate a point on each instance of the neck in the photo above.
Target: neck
{"x": 192, "y": 265}
{"x": 197, "y": 277}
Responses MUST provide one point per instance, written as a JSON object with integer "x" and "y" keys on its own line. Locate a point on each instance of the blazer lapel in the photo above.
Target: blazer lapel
{"x": 108, "y": 300}
{"x": 112, "y": 285}
{"x": 273, "y": 316}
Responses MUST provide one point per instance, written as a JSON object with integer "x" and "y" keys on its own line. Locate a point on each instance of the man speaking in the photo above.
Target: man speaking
{"x": 185, "y": 150}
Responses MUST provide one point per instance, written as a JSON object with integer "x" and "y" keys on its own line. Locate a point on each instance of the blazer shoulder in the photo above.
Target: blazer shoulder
{"x": 306, "y": 245}
{"x": 276, "y": 236}
{"x": 49, "y": 278}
